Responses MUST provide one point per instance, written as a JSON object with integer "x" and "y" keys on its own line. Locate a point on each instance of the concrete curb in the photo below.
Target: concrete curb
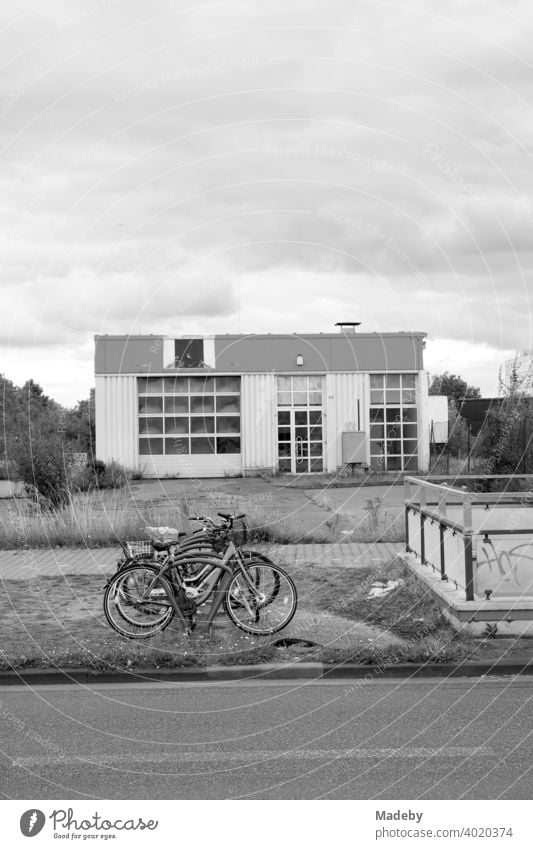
{"x": 270, "y": 671}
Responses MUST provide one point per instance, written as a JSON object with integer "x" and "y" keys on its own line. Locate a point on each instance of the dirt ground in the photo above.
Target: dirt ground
{"x": 57, "y": 618}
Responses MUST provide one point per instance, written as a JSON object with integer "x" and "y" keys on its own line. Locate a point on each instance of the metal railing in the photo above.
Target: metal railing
{"x": 441, "y": 531}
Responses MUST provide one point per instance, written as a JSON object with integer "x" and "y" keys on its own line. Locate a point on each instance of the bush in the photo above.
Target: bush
{"x": 42, "y": 467}
{"x": 98, "y": 475}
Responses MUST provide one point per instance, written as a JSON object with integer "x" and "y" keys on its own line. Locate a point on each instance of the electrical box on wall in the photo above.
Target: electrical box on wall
{"x": 354, "y": 446}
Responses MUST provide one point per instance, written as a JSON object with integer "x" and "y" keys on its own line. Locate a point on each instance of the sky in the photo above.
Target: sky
{"x": 195, "y": 167}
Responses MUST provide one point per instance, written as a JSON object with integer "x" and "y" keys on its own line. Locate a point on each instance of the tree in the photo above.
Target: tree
{"x": 79, "y": 426}
{"x": 454, "y": 387}
{"x": 504, "y": 445}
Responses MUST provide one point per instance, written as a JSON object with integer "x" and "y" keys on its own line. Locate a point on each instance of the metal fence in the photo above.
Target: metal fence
{"x": 481, "y": 542}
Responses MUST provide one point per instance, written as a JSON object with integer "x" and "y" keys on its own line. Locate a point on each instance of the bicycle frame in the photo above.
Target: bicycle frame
{"x": 220, "y": 587}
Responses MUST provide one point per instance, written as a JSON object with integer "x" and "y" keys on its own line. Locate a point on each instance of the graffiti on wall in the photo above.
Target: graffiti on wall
{"x": 504, "y": 566}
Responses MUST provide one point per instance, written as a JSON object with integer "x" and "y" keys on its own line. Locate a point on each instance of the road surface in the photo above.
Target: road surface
{"x": 381, "y": 739}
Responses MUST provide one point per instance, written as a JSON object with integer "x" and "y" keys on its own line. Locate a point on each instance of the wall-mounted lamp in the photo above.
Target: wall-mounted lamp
{"x": 299, "y": 360}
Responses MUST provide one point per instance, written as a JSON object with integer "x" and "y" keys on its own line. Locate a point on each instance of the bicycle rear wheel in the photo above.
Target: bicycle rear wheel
{"x": 128, "y": 610}
{"x": 265, "y": 603}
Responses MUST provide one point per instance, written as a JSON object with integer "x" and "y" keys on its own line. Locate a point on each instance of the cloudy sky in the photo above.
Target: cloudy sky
{"x": 190, "y": 167}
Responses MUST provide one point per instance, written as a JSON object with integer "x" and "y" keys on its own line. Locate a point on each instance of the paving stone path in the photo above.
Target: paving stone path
{"x": 21, "y": 565}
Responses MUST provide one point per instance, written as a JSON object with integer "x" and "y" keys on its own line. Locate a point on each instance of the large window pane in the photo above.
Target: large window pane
{"x": 300, "y": 399}
{"x": 315, "y": 433}
{"x": 202, "y": 446}
{"x": 410, "y": 446}
{"x": 409, "y": 430}
{"x": 202, "y": 384}
{"x": 152, "y": 385}
{"x": 176, "y": 424}
{"x": 393, "y": 396}
{"x": 394, "y": 431}
{"x": 315, "y": 399}
{"x": 392, "y": 381}
{"x": 228, "y": 445}
{"x": 409, "y": 396}
{"x": 300, "y": 418}
{"x": 201, "y": 404}
{"x": 377, "y": 396}
{"x": 299, "y": 384}
{"x": 409, "y": 415}
{"x": 394, "y": 464}
{"x": 315, "y": 417}
{"x": 315, "y": 449}
{"x": 410, "y": 464}
{"x": 394, "y": 447}
{"x": 376, "y": 431}
{"x": 228, "y": 404}
{"x": 285, "y": 465}
{"x": 150, "y": 405}
{"x": 228, "y": 384}
{"x": 376, "y": 381}
{"x": 176, "y": 385}
{"x": 177, "y": 446}
{"x": 151, "y": 425}
{"x": 393, "y": 414}
{"x": 284, "y": 399}
{"x": 316, "y": 464}
{"x": 408, "y": 381}
{"x": 176, "y": 405}
{"x": 228, "y": 424}
{"x": 315, "y": 384}
{"x": 202, "y": 424}
{"x": 377, "y": 464}
{"x": 284, "y": 417}
{"x": 377, "y": 415}
{"x": 284, "y": 449}
{"x": 284, "y": 434}
{"x": 284, "y": 384}
{"x": 150, "y": 446}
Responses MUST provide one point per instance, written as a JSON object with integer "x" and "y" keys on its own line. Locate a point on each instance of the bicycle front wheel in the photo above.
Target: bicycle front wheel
{"x": 130, "y": 609}
{"x": 262, "y": 602}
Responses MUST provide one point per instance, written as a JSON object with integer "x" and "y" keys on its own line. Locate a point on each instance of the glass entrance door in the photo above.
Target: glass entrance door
{"x": 300, "y": 441}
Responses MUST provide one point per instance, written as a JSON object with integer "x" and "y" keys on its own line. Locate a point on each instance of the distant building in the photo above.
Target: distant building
{"x": 523, "y": 363}
{"x": 213, "y": 406}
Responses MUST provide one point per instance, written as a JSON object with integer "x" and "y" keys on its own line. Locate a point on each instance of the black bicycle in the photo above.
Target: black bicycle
{"x": 209, "y": 568}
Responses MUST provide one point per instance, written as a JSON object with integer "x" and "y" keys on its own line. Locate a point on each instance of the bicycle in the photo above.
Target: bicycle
{"x": 143, "y": 596}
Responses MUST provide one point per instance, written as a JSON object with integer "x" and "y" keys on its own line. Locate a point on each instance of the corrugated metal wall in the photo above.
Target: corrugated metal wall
{"x": 258, "y": 421}
{"x": 116, "y": 419}
{"x": 423, "y": 421}
{"x": 343, "y": 391}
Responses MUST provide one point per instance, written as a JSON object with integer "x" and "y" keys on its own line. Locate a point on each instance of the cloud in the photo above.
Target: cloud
{"x": 278, "y": 163}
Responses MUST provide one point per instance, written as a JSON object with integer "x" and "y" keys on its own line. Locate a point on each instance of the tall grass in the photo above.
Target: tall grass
{"x": 89, "y": 520}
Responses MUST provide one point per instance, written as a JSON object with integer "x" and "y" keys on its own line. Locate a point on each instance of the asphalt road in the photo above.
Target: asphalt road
{"x": 433, "y": 739}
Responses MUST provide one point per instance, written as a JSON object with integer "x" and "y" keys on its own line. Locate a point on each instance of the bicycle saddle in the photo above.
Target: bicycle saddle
{"x": 165, "y": 544}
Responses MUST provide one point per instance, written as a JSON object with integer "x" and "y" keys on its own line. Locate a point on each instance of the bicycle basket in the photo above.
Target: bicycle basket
{"x": 239, "y": 533}
{"x": 138, "y": 548}
{"x": 218, "y": 541}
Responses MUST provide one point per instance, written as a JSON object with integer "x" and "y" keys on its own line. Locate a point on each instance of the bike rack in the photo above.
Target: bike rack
{"x": 218, "y": 594}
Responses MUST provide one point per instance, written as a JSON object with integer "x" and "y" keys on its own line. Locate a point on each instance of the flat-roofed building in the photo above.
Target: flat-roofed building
{"x": 231, "y": 404}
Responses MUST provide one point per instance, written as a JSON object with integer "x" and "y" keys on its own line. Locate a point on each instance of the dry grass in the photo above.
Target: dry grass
{"x": 93, "y": 520}
{"x": 90, "y": 520}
